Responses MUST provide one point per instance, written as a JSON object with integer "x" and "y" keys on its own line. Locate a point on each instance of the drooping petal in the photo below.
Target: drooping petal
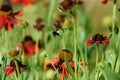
{"x": 30, "y": 49}
{"x": 9, "y": 70}
{"x": 62, "y": 74}
{"x": 51, "y": 64}
{"x": 72, "y": 65}
{"x": 2, "y": 23}
{"x": 19, "y": 13}
{"x": 106, "y": 41}
{"x": 9, "y": 27}
{"x": 89, "y": 42}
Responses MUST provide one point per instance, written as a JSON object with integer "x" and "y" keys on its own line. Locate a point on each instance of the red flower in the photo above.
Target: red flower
{"x": 60, "y": 65}
{"x": 12, "y": 67}
{"x": 29, "y": 46}
{"x": 104, "y": 1}
{"x": 7, "y": 17}
{"x": 98, "y": 39}
{"x": 23, "y": 2}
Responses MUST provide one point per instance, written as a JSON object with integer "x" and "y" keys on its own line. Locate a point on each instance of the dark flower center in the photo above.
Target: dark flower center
{"x": 28, "y": 38}
{"x": 0, "y": 65}
{"x": 65, "y": 54}
{"x": 6, "y": 8}
{"x": 98, "y": 37}
{"x": 13, "y": 63}
{"x": 60, "y": 68}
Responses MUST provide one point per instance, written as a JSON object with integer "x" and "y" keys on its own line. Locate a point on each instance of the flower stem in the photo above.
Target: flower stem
{"x": 22, "y": 57}
{"x": 114, "y": 15}
{"x": 97, "y": 50}
{"x": 50, "y": 11}
{"x": 23, "y": 33}
{"x": 6, "y": 42}
{"x": 36, "y": 51}
{"x": 63, "y": 40}
{"x": 18, "y": 70}
{"x": 75, "y": 47}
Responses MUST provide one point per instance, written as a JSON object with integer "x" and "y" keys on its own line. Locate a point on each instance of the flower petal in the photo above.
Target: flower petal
{"x": 9, "y": 70}
{"x": 89, "y": 42}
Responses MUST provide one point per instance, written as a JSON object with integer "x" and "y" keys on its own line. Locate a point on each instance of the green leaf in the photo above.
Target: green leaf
{"x": 70, "y": 69}
{"x": 111, "y": 75}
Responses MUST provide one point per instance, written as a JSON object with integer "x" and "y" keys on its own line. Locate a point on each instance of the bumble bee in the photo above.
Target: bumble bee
{"x": 56, "y": 33}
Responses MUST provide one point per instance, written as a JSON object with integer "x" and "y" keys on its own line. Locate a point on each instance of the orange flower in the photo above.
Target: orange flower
{"x": 7, "y": 17}
{"x": 60, "y": 65}
{"x": 12, "y": 67}
{"x": 29, "y": 46}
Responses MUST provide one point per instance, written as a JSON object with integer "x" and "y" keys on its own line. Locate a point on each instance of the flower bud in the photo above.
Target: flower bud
{"x": 24, "y": 24}
{"x": 13, "y": 53}
{"x": 67, "y": 23}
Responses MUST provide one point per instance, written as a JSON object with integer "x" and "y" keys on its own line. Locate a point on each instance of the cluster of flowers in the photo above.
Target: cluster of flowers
{"x": 59, "y": 63}
{"x": 8, "y": 18}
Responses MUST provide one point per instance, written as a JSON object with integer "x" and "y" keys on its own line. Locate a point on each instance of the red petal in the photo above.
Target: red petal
{"x": 1, "y": 21}
{"x": 27, "y": 2}
{"x": 30, "y": 49}
{"x": 9, "y": 70}
{"x": 14, "y": 1}
{"x": 62, "y": 75}
{"x": 106, "y": 41}
{"x": 72, "y": 65}
{"x": 9, "y": 27}
{"x": 20, "y": 46}
{"x": 19, "y": 13}
{"x": 89, "y": 42}
{"x": 104, "y": 1}
{"x": 49, "y": 64}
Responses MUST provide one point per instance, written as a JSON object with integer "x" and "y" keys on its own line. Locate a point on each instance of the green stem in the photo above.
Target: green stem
{"x": 97, "y": 54}
{"x": 75, "y": 47}
{"x": 36, "y": 51}
{"x": 86, "y": 53}
{"x": 50, "y": 11}
{"x": 23, "y": 33}
{"x": 37, "y": 76}
{"x": 6, "y": 42}
{"x": 22, "y": 57}
{"x": 2, "y": 34}
{"x": 18, "y": 70}
{"x": 86, "y": 73}
{"x": 102, "y": 57}
{"x": 114, "y": 15}
{"x": 97, "y": 50}
{"x": 63, "y": 40}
